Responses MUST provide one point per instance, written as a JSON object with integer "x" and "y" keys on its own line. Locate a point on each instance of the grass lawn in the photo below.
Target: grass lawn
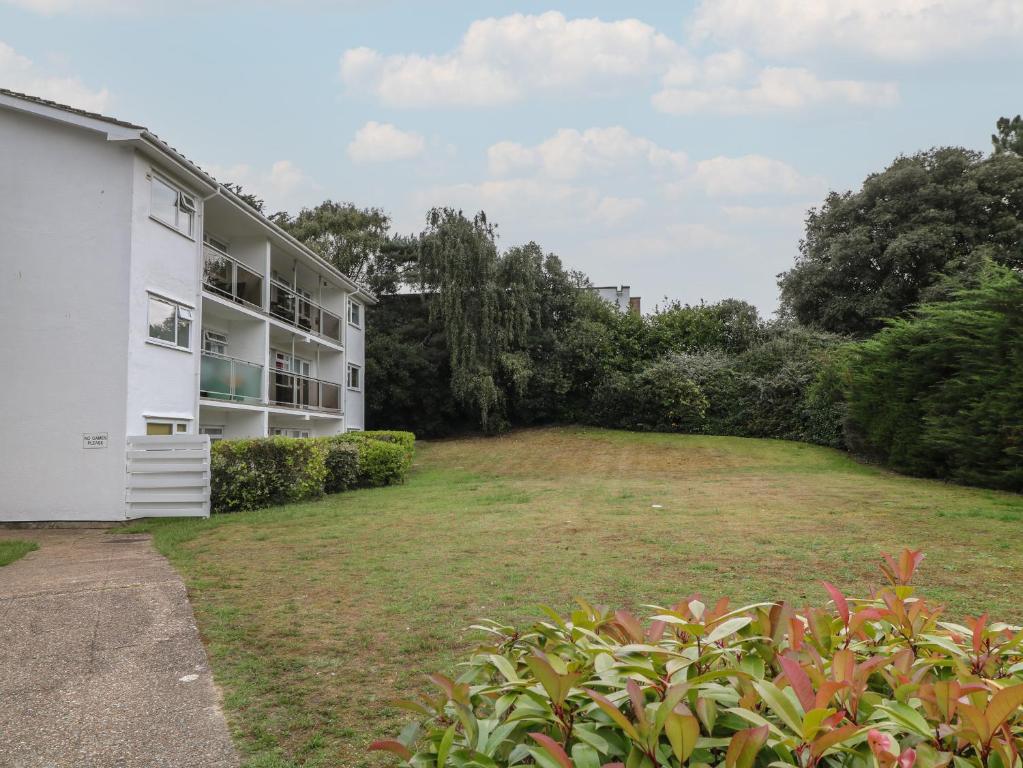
{"x": 318, "y": 615}
{"x": 15, "y": 550}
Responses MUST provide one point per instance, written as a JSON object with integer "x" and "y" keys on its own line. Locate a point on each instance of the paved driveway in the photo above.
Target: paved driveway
{"x": 100, "y": 660}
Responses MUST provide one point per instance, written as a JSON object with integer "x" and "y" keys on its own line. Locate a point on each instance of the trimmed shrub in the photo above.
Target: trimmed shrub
{"x": 880, "y": 682}
{"x": 265, "y": 471}
{"x": 407, "y": 440}
{"x": 342, "y": 460}
{"x": 384, "y": 457}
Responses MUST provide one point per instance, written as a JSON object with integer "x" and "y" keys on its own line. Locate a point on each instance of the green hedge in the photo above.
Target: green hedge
{"x": 385, "y": 457}
{"x": 262, "y": 472}
{"x": 342, "y": 459}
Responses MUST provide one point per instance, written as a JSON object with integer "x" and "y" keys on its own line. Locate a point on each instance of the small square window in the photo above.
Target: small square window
{"x": 166, "y": 427}
{"x": 170, "y": 323}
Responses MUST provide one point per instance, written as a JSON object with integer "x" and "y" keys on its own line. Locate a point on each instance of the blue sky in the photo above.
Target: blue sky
{"x": 671, "y": 146}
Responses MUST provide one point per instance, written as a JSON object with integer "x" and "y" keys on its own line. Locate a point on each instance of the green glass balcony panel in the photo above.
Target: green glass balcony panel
{"x": 248, "y": 381}
{"x": 215, "y": 377}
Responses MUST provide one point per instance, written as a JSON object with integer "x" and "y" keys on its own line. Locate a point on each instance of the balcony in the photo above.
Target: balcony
{"x": 226, "y": 378}
{"x": 293, "y": 390}
{"x": 230, "y": 278}
{"x": 296, "y": 309}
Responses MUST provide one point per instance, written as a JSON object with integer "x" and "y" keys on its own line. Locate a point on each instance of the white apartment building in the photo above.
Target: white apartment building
{"x": 142, "y": 297}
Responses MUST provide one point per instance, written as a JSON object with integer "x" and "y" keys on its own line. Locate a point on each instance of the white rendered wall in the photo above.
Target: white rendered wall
{"x": 162, "y": 382}
{"x": 65, "y": 202}
{"x": 355, "y": 352}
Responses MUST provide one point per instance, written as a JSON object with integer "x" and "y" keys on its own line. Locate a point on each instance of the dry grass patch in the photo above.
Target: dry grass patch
{"x": 318, "y": 615}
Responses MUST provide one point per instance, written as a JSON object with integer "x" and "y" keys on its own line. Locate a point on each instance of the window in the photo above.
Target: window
{"x": 286, "y": 432}
{"x": 285, "y": 362}
{"x": 170, "y": 324}
{"x": 216, "y": 432}
{"x": 214, "y": 342}
{"x": 355, "y": 313}
{"x": 166, "y": 427}
{"x": 215, "y": 242}
{"x": 171, "y": 206}
{"x": 354, "y": 377}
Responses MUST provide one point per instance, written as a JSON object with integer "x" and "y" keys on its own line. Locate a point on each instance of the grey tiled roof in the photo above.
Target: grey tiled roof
{"x": 66, "y": 108}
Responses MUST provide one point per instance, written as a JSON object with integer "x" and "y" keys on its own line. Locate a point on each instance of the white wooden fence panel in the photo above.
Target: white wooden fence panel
{"x": 168, "y": 476}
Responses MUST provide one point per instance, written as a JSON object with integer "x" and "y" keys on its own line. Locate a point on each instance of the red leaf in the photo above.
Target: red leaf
{"x": 840, "y": 603}
{"x": 799, "y": 681}
{"x": 555, "y": 749}
{"x": 390, "y": 745}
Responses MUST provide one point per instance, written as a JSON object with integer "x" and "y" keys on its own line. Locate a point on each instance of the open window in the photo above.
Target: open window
{"x": 172, "y": 206}
{"x": 170, "y": 323}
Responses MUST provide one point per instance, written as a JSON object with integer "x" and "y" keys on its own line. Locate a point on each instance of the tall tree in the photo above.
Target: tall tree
{"x": 1008, "y": 136}
{"x": 349, "y": 237}
{"x": 875, "y": 253}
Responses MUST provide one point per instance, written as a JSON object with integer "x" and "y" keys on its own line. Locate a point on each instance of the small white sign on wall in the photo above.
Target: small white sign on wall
{"x": 94, "y": 439}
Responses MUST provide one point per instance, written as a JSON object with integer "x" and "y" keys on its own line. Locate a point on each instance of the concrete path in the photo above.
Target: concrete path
{"x": 100, "y": 660}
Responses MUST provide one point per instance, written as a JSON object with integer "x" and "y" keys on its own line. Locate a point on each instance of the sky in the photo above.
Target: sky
{"x": 674, "y": 146}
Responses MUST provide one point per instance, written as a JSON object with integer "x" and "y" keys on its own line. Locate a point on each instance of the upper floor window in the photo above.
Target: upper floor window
{"x": 169, "y": 323}
{"x": 172, "y": 206}
{"x": 355, "y": 313}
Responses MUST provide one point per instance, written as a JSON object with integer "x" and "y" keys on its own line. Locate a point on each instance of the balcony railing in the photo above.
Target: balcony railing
{"x": 225, "y": 378}
{"x": 302, "y": 312}
{"x": 293, "y": 390}
{"x": 231, "y": 279}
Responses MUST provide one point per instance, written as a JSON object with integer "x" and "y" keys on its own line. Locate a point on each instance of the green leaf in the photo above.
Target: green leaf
{"x": 445, "y": 746}
{"x": 781, "y": 705}
{"x": 908, "y": 718}
{"x": 682, "y": 731}
{"x": 585, "y": 756}
{"x": 505, "y": 668}
{"x": 726, "y": 628}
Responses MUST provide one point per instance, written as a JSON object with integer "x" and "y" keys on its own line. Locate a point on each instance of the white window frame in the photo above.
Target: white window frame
{"x": 214, "y": 436}
{"x": 351, "y": 306}
{"x": 224, "y": 341}
{"x": 176, "y": 424}
{"x": 348, "y": 378}
{"x": 185, "y": 204}
{"x": 181, "y": 312}
{"x": 216, "y": 243}
{"x": 290, "y": 432}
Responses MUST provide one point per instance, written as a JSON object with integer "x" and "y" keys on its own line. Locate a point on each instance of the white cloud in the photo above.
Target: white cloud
{"x": 748, "y": 176}
{"x": 19, "y": 73}
{"x": 775, "y": 88}
{"x": 570, "y": 152}
{"x": 283, "y": 186}
{"x": 888, "y": 29}
{"x": 533, "y": 200}
{"x": 500, "y": 59}
{"x": 382, "y": 142}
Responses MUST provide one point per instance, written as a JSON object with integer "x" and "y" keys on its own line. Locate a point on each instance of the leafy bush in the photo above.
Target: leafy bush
{"x": 656, "y": 398}
{"x": 385, "y": 457}
{"x": 262, "y": 472}
{"x": 941, "y": 394}
{"x": 881, "y": 682}
{"x": 407, "y": 440}
{"x": 342, "y": 461}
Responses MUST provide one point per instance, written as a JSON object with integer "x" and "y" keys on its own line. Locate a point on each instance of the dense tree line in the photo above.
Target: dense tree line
{"x": 897, "y": 334}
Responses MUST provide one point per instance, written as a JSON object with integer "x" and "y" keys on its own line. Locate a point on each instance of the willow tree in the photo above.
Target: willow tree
{"x": 487, "y": 303}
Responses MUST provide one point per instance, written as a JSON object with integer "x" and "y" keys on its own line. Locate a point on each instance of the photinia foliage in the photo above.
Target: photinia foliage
{"x": 880, "y": 682}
